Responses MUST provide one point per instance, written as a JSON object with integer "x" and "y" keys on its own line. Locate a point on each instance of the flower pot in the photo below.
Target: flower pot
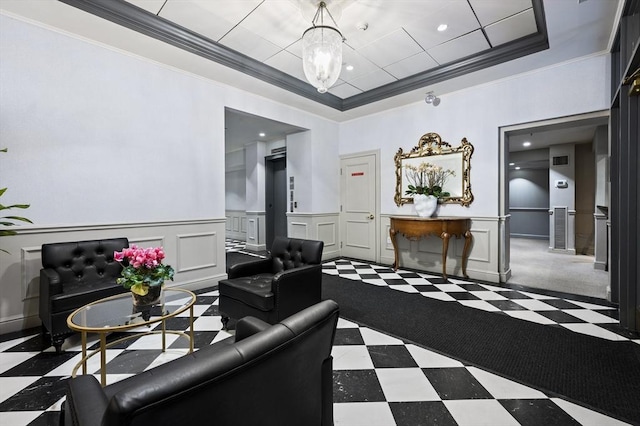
{"x": 425, "y": 204}
{"x": 153, "y": 297}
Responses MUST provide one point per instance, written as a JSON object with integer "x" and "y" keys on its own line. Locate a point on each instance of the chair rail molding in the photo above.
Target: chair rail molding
{"x": 195, "y": 247}
{"x": 316, "y": 226}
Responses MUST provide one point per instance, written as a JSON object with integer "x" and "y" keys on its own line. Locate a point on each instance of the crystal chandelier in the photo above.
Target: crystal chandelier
{"x": 322, "y": 51}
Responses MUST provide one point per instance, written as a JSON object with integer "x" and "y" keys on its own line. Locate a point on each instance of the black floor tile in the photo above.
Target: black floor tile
{"x": 421, "y": 413}
{"x": 391, "y": 356}
{"x": 356, "y": 386}
{"x": 506, "y": 305}
{"x": 456, "y": 383}
{"x": 535, "y": 412}
{"x": 132, "y": 362}
{"x": 40, "y": 364}
{"x": 39, "y": 395}
{"x": 348, "y": 336}
{"x": 560, "y": 317}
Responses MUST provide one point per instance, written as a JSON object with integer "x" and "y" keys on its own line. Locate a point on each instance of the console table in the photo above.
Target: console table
{"x": 413, "y": 228}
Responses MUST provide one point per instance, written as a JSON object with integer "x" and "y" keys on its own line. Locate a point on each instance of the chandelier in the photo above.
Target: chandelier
{"x": 322, "y": 51}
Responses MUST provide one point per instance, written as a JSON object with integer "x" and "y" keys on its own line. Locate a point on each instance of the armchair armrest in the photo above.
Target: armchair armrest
{"x": 92, "y": 401}
{"x": 51, "y": 279}
{"x": 297, "y": 287}
{"x": 252, "y": 267}
{"x": 249, "y": 326}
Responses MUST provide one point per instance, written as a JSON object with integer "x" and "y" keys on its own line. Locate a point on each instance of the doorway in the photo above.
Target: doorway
{"x": 537, "y": 249}
{"x": 275, "y": 197}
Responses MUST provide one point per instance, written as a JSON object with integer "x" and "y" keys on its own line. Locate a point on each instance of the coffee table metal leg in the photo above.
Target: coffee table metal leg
{"x": 191, "y": 329}
{"x": 164, "y": 339}
{"x": 84, "y": 351}
{"x": 103, "y": 359}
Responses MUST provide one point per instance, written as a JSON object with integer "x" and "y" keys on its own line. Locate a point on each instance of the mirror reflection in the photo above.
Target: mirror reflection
{"x": 436, "y": 168}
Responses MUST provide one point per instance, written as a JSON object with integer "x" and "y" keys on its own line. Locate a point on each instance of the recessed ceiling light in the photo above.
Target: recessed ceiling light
{"x": 262, "y": 135}
{"x": 349, "y": 68}
{"x": 526, "y": 144}
{"x": 442, "y": 27}
{"x": 512, "y": 164}
{"x": 517, "y": 167}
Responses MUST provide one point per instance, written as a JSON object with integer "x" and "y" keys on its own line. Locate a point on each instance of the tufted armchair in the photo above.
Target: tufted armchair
{"x": 272, "y": 289}
{"x": 72, "y": 275}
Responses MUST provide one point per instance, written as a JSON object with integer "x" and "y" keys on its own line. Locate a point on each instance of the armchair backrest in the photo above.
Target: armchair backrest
{"x": 289, "y": 253}
{"x": 81, "y": 261}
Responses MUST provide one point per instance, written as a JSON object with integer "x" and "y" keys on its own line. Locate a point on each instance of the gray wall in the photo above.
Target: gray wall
{"x": 529, "y": 203}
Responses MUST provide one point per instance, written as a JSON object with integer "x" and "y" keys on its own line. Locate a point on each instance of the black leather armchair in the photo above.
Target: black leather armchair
{"x": 271, "y": 289}
{"x": 72, "y": 275}
{"x": 272, "y": 375}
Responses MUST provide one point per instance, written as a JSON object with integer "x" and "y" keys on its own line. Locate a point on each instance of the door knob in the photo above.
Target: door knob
{"x": 370, "y": 217}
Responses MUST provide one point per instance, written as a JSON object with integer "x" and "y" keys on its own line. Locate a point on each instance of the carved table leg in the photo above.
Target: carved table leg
{"x": 392, "y": 234}
{"x": 445, "y": 247}
{"x": 465, "y": 252}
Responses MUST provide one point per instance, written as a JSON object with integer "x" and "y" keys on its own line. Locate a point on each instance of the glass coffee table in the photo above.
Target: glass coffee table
{"x": 117, "y": 313}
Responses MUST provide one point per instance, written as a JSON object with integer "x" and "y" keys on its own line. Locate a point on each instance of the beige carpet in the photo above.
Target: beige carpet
{"x": 532, "y": 265}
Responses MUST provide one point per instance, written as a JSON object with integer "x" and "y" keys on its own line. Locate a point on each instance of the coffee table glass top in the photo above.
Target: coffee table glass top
{"x": 119, "y": 312}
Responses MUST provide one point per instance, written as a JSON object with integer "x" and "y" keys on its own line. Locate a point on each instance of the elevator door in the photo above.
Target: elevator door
{"x": 276, "y": 198}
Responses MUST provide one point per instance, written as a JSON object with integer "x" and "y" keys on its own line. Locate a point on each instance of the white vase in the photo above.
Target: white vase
{"x": 425, "y": 204}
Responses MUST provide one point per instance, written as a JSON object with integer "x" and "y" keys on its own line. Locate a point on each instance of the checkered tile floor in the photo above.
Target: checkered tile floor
{"x": 378, "y": 379}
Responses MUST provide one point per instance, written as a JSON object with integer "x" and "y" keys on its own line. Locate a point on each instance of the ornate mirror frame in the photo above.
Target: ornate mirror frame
{"x": 457, "y": 159}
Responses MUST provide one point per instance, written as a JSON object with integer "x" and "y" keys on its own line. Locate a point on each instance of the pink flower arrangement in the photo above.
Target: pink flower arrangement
{"x": 143, "y": 268}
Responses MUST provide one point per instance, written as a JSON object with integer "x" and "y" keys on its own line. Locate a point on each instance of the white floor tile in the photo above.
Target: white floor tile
{"x": 438, "y": 295}
{"x": 534, "y": 305}
{"x": 585, "y": 416}
{"x": 593, "y": 330}
{"x": 406, "y": 288}
{"x": 11, "y": 343}
{"x": 406, "y": 384}
{"x": 494, "y": 288}
{"x": 351, "y": 357}
{"x": 417, "y": 281}
{"x": 479, "y": 304}
{"x": 343, "y": 323}
{"x": 537, "y": 296}
{"x": 18, "y": 418}
{"x": 152, "y": 341}
{"x": 592, "y": 306}
{"x": 8, "y": 360}
{"x": 362, "y": 414}
{"x": 488, "y": 295}
{"x": 12, "y": 385}
{"x": 480, "y": 412}
{"x": 502, "y": 388}
{"x": 429, "y": 359}
{"x": 376, "y": 281}
{"x": 389, "y": 275}
{"x": 208, "y": 323}
{"x": 449, "y": 288}
{"x": 530, "y": 316}
{"x": 372, "y": 337}
{"x": 93, "y": 363}
{"x": 590, "y": 316}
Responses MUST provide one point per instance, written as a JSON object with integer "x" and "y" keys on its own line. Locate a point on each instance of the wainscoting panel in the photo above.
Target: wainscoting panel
{"x": 426, "y": 253}
{"x": 194, "y": 248}
{"x": 236, "y": 227}
{"x": 197, "y": 251}
{"x": 321, "y": 226}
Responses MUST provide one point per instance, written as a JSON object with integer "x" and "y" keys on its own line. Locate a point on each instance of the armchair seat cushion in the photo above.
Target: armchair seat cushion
{"x": 254, "y": 290}
{"x": 75, "y": 295}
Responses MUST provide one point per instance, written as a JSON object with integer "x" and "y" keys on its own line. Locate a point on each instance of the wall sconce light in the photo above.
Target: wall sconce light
{"x": 322, "y": 51}
{"x": 432, "y": 99}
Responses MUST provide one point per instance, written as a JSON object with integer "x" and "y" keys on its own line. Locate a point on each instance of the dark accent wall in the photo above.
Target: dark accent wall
{"x": 625, "y": 158}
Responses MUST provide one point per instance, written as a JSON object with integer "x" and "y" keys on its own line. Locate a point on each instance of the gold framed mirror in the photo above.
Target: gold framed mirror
{"x": 456, "y": 161}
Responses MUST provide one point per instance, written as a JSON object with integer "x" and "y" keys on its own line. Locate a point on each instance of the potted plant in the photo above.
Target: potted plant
{"x": 426, "y": 183}
{"x": 143, "y": 273}
{"x": 8, "y": 221}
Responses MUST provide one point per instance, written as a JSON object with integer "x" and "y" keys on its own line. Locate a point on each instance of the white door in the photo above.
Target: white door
{"x": 358, "y": 212}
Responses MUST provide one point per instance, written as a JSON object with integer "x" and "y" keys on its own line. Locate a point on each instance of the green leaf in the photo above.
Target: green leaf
{"x": 23, "y": 219}
{"x": 2, "y": 191}
{"x": 6, "y": 232}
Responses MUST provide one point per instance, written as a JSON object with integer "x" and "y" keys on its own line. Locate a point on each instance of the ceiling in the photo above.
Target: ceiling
{"x": 255, "y": 44}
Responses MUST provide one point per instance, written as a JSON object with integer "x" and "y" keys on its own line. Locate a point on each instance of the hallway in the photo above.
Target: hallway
{"x": 532, "y": 265}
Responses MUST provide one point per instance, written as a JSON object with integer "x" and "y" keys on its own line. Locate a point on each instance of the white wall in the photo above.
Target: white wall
{"x": 477, "y": 113}
{"x": 103, "y": 143}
